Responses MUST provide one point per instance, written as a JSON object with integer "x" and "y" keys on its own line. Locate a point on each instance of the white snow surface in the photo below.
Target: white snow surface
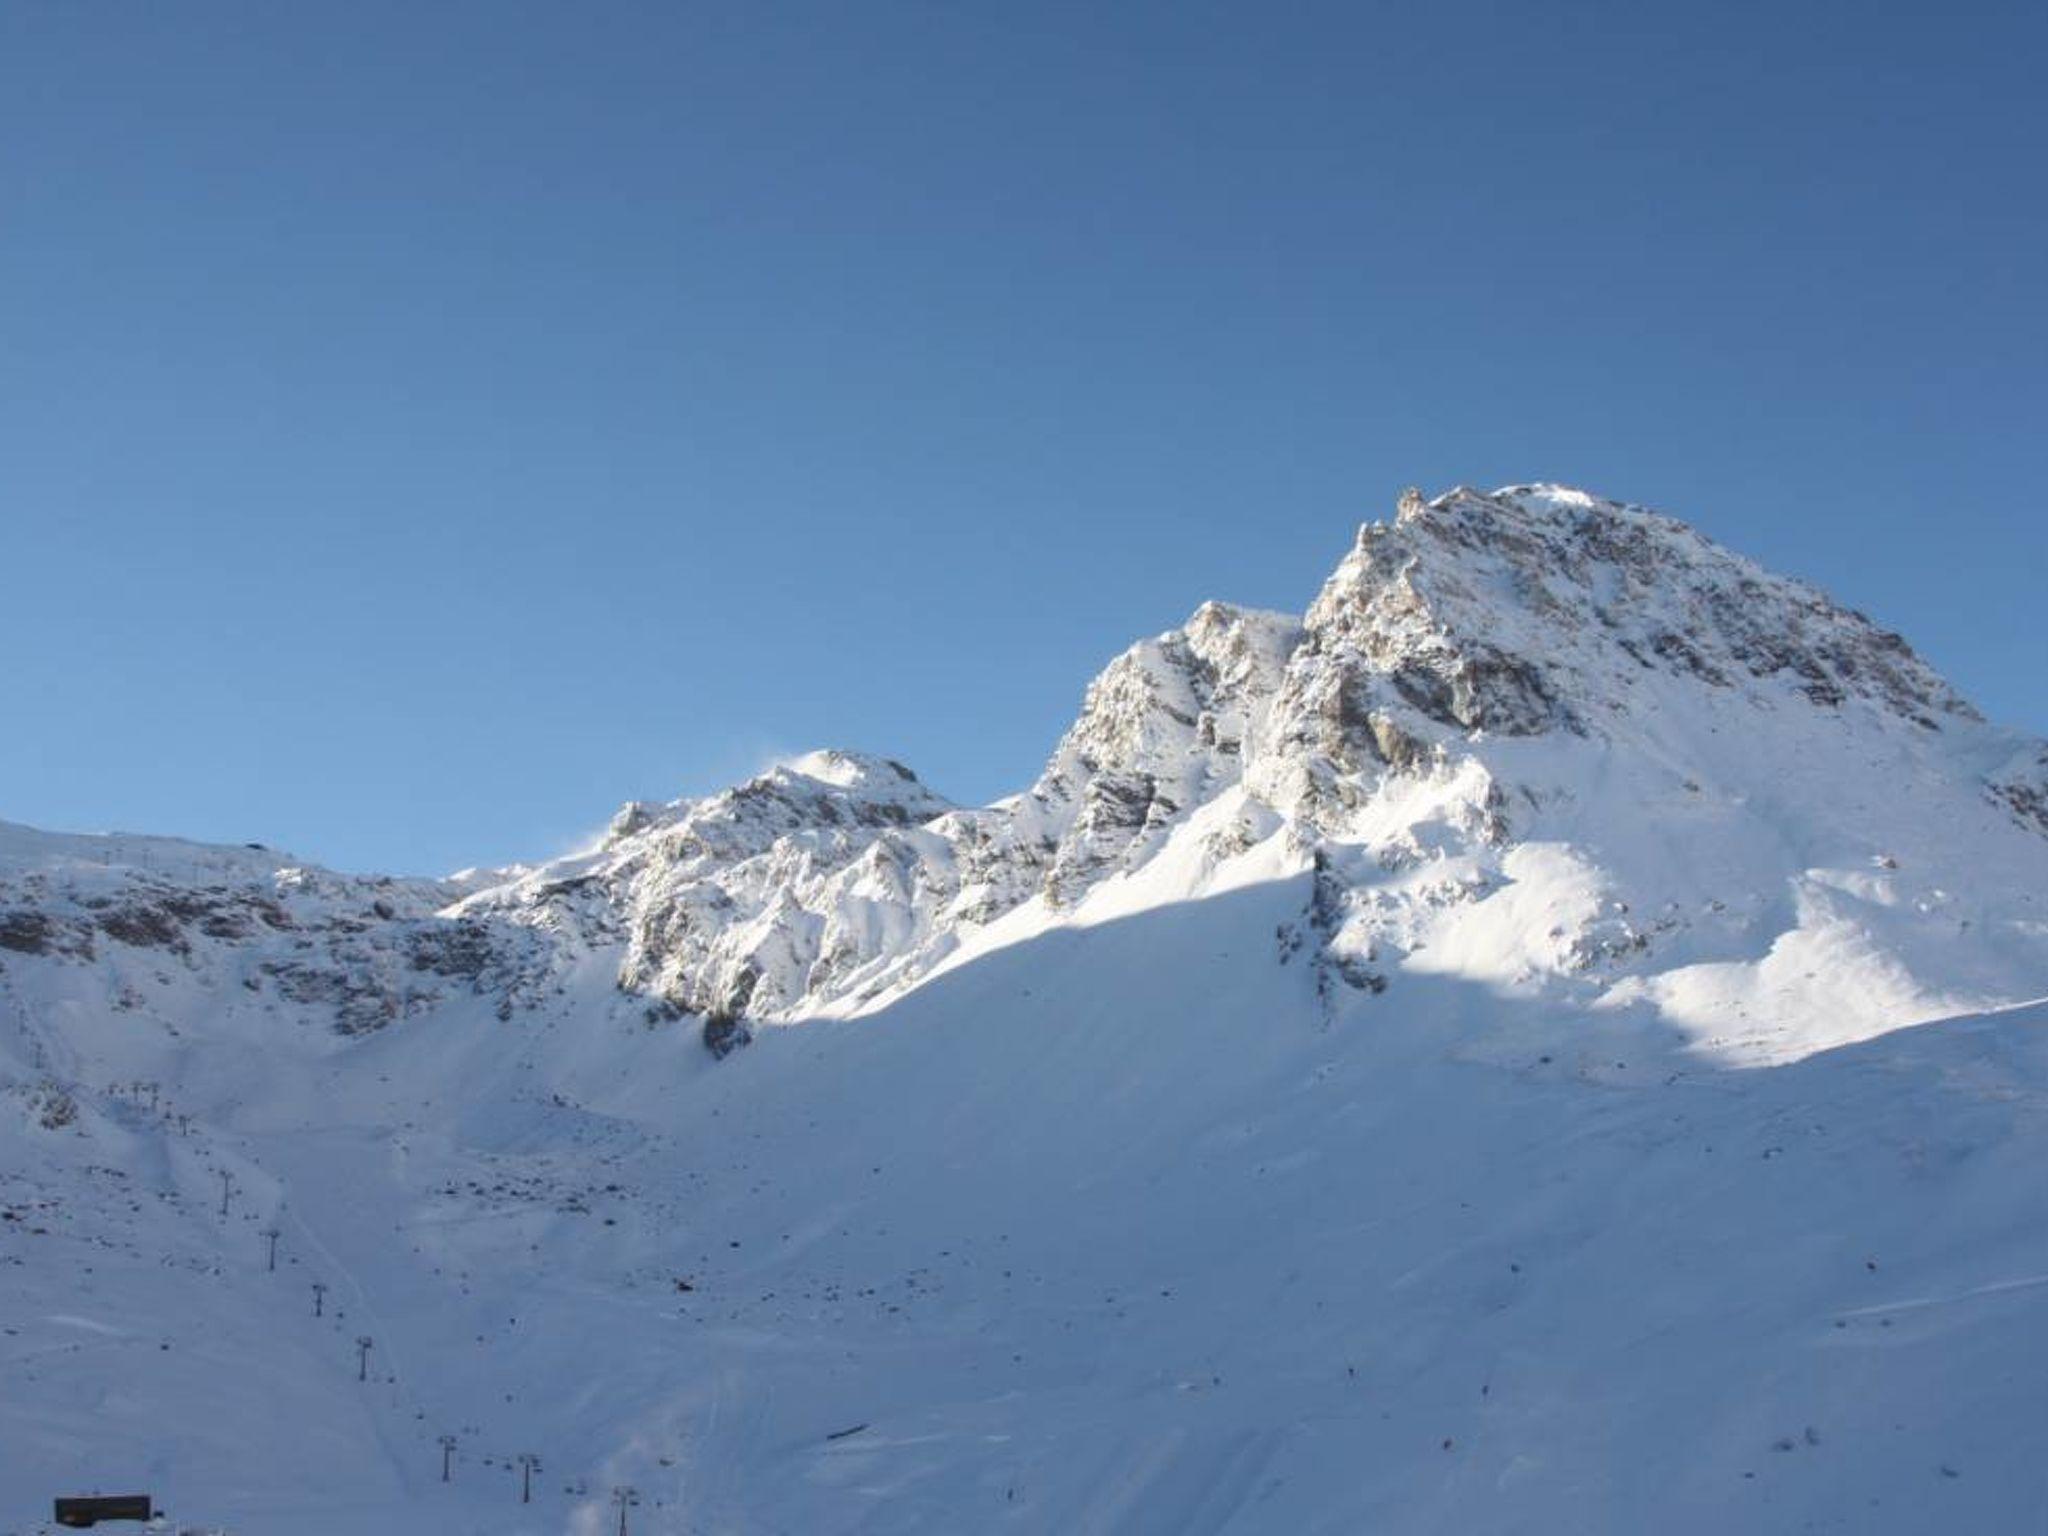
{"x": 1548, "y": 1040}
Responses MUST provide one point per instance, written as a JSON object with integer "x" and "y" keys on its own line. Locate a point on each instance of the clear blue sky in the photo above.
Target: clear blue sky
{"x": 424, "y": 427}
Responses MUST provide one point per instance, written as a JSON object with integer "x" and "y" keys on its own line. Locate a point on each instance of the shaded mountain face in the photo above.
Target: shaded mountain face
{"x": 1561, "y": 744}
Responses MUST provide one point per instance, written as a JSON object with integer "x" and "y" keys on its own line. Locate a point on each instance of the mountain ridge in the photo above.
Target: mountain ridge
{"x": 1465, "y": 624}
{"x": 1421, "y": 738}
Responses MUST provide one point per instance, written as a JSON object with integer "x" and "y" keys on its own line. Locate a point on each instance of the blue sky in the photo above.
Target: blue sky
{"x": 425, "y": 427}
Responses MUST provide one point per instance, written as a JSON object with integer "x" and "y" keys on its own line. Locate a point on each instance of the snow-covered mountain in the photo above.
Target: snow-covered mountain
{"x": 1564, "y": 746}
{"x": 1333, "y": 1041}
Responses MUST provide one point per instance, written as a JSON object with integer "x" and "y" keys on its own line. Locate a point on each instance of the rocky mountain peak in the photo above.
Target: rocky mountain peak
{"x": 1543, "y": 607}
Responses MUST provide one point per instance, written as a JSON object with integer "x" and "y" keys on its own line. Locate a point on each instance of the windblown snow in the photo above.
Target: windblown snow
{"x": 1548, "y": 1039}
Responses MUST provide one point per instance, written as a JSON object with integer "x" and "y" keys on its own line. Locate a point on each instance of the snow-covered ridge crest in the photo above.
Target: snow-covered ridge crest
{"x": 835, "y": 880}
{"x": 1550, "y": 743}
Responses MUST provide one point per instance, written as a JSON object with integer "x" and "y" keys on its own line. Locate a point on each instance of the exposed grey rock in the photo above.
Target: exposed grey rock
{"x": 30, "y": 932}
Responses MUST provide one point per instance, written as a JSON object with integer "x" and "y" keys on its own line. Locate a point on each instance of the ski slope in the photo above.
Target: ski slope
{"x": 1308, "y": 1277}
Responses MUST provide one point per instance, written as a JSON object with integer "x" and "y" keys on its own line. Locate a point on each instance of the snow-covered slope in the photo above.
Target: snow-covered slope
{"x": 1442, "y": 1063}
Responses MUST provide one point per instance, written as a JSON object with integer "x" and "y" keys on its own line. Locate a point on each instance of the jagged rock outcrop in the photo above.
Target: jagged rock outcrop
{"x": 2022, "y": 787}
{"x": 1166, "y": 727}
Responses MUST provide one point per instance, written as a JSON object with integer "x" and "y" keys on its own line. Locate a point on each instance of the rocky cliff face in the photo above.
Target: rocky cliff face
{"x": 1532, "y": 738}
